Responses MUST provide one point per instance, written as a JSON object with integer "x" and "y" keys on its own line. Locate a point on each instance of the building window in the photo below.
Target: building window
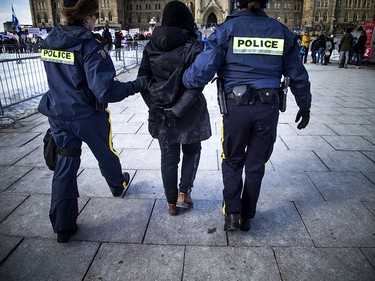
{"x": 364, "y": 17}
{"x": 139, "y": 19}
{"x": 317, "y": 16}
{"x": 318, "y": 3}
{"x": 109, "y": 16}
{"x": 346, "y": 17}
{"x": 102, "y": 18}
{"x": 286, "y": 19}
{"x": 325, "y": 16}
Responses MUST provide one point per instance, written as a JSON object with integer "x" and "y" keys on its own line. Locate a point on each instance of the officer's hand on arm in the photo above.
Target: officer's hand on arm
{"x": 140, "y": 84}
{"x": 305, "y": 115}
{"x": 171, "y": 118}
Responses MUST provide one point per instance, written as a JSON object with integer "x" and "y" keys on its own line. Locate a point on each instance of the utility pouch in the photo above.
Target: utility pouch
{"x": 266, "y": 95}
{"x": 241, "y": 94}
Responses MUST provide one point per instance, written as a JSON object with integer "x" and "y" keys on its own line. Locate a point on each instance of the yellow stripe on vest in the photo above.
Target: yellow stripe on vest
{"x": 57, "y": 56}
{"x": 256, "y": 45}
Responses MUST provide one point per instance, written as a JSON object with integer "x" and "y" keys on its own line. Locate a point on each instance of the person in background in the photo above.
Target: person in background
{"x": 306, "y": 40}
{"x": 346, "y": 44}
{"x": 249, "y": 72}
{"x": 321, "y": 45}
{"x": 118, "y": 44}
{"x": 81, "y": 84}
{"x": 359, "y": 48}
{"x": 108, "y": 39}
{"x": 314, "y": 49}
{"x": 184, "y": 122}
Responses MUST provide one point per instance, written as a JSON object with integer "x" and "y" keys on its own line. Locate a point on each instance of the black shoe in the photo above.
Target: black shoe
{"x": 232, "y": 222}
{"x": 122, "y": 191}
{"x": 245, "y": 224}
{"x": 64, "y": 237}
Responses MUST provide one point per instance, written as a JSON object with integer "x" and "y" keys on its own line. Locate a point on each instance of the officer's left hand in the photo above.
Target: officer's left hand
{"x": 305, "y": 115}
{"x": 171, "y": 118}
{"x": 140, "y": 84}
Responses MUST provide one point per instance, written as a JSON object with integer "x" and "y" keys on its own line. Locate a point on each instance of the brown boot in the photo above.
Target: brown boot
{"x": 184, "y": 201}
{"x": 172, "y": 209}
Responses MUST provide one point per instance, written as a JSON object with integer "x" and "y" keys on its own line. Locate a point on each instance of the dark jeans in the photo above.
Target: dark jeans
{"x": 170, "y": 157}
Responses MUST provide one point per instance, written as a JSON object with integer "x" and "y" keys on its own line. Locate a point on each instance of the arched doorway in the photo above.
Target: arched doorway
{"x": 211, "y": 20}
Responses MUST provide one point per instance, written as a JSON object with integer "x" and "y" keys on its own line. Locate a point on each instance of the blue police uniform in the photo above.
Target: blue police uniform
{"x": 254, "y": 50}
{"x": 81, "y": 82}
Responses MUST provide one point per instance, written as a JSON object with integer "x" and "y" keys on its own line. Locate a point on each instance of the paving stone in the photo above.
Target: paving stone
{"x": 144, "y": 159}
{"x": 38, "y": 180}
{"x": 315, "y": 129}
{"x": 9, "y": 175}
{"x": 9, "y": 157}
{"x": 352, "y": 119}
{"x": 114, "y": 220}
{"x": 296, "y": 161}
{"x": 341, "y": 161}
{"x": 370, "y": 255}
{"x": 125, "y": 128}
{"x": 91, "y": 183}
{"x": 338, "y": 224}
{"x": 323, "y": 264}
{"x": 9, "y": 202}
{"x": 306, "y": 143}
{"x": 275, "y": 224}
{"x": 370, "y": 205}
{"x": 341, "y": 186}
{"x": 7, "y": 244}
{"x": 350, "y": 130}
{"x": 16, "y": 139}
{"x": 30, "y": 219}
{"x": 229, "y": 263}
{"x": 34, "y": 159}
{"x": 349, "y": 143}
{"x": 288, "y": 186}
{"x": 41, "y": 259}
{"x": 146, "y": 184}
{"x": 137, "y": 262}
{"x": 132, "y": 141}
{"x": 201, "y": 225}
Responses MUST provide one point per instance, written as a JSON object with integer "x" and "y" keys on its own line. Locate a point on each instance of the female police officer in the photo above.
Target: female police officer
{"x": 81, "y": 83}
{"x": 250, "y": 52}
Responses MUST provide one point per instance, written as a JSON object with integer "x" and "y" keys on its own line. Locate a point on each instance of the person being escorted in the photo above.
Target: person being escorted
{"x": 250, "y": 53}
{"x": 178, "y": 118}
{"x": 81, "y": 83}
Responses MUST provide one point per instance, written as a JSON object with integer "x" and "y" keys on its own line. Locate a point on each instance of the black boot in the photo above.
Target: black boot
{"x": 232, "y": 222}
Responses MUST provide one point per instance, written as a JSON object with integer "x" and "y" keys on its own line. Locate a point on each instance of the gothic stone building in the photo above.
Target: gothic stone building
{"x": 327, "y": 16}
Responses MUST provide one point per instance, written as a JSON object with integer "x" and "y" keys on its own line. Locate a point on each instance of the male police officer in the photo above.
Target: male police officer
{"x": 250, "y": 52}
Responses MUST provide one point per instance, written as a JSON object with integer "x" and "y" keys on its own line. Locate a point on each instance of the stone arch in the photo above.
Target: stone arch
{"x": 212, "y": 13}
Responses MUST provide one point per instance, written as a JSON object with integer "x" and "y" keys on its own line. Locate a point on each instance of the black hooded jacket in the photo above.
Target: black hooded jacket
{"x": 161, "y": 56}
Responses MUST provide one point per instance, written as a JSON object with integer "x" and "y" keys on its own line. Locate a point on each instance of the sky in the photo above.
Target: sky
{"x": 21, "y": 8}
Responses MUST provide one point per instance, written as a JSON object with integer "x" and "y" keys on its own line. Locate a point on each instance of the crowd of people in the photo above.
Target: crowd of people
{"x": 320, "y": 47}
{"x": 17, "y": 44}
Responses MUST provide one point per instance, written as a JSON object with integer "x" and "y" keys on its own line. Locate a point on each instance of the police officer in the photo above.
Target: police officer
{"x": 81, "y": 83}
{"x": 250, "y": 53}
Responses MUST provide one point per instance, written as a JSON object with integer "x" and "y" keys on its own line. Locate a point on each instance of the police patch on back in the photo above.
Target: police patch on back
{"x": 256, "y": 45}
{"x": 57, "y": 56}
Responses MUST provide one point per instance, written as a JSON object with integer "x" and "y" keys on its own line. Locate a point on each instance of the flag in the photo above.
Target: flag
{"x": 16, "y": 22}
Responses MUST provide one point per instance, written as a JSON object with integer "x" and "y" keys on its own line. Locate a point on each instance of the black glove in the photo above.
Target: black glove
{"x": 170, "y": 117}
{"x": 140, "y": 84}
{"x": 305, "y": 115}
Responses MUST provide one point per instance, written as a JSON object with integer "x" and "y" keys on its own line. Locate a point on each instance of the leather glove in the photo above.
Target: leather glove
{"x": 170, "y": 117}
{"x": 305, "y": 115}
{"x": 140, "y": 84}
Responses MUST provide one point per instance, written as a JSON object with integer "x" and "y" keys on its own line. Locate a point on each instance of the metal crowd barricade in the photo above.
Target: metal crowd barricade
{"x": 22, "y": 75}
{"x": 21, "y": 79}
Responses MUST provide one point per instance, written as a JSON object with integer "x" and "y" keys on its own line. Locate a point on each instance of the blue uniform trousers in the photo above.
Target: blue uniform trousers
{"x": 249, "y": 133}
{"x": 97, "y": 133}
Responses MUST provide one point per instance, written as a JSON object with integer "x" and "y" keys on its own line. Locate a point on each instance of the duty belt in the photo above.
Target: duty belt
{"x": 264, "y": 95}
